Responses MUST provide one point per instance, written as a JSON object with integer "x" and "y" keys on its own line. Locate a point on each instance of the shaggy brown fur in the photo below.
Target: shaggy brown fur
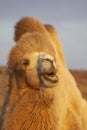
{"x": 28, "y": 24}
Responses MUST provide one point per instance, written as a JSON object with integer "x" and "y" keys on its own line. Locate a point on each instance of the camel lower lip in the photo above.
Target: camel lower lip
{"x": 53, "y": 78}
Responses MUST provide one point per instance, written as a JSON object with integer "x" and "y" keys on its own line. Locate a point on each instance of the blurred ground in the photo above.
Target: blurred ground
{"x": 80, "y": 77}
{"x": 2, "y": 68}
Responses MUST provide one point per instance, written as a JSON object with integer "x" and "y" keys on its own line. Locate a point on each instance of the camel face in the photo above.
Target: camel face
{"x": 33, "y": 63}
{"x": 38, "y": 70}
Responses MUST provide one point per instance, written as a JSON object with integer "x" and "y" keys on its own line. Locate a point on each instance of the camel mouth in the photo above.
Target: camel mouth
{"x": 51, "y": 77}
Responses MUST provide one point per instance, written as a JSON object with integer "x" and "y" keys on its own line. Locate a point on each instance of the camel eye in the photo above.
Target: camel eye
{"x": 26, "y": 62}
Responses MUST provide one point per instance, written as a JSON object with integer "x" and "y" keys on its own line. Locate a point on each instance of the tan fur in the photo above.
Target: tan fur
{"x": 28, "y": 24}
{"x": 58, "y": 108}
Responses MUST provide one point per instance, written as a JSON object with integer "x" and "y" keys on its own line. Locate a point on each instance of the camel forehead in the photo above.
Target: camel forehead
{"x": 36, "y": 54}
{"x": 35, "y": 42}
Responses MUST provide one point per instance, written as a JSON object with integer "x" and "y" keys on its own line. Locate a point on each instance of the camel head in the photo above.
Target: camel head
{"x": 33, "y": 60}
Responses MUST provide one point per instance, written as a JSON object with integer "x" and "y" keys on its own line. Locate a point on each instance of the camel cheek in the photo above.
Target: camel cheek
{"x": 33, "y": 80}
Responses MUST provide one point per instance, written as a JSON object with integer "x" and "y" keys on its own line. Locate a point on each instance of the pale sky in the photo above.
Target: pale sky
{"x": 68, "y": 16}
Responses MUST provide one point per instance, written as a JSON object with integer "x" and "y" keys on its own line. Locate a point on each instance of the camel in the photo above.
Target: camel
{"x": 42, "y": 93}
{"x": 29, "y": 24}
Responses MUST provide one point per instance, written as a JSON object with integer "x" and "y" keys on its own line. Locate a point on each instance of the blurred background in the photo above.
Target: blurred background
{"x": 68, "y": 16}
